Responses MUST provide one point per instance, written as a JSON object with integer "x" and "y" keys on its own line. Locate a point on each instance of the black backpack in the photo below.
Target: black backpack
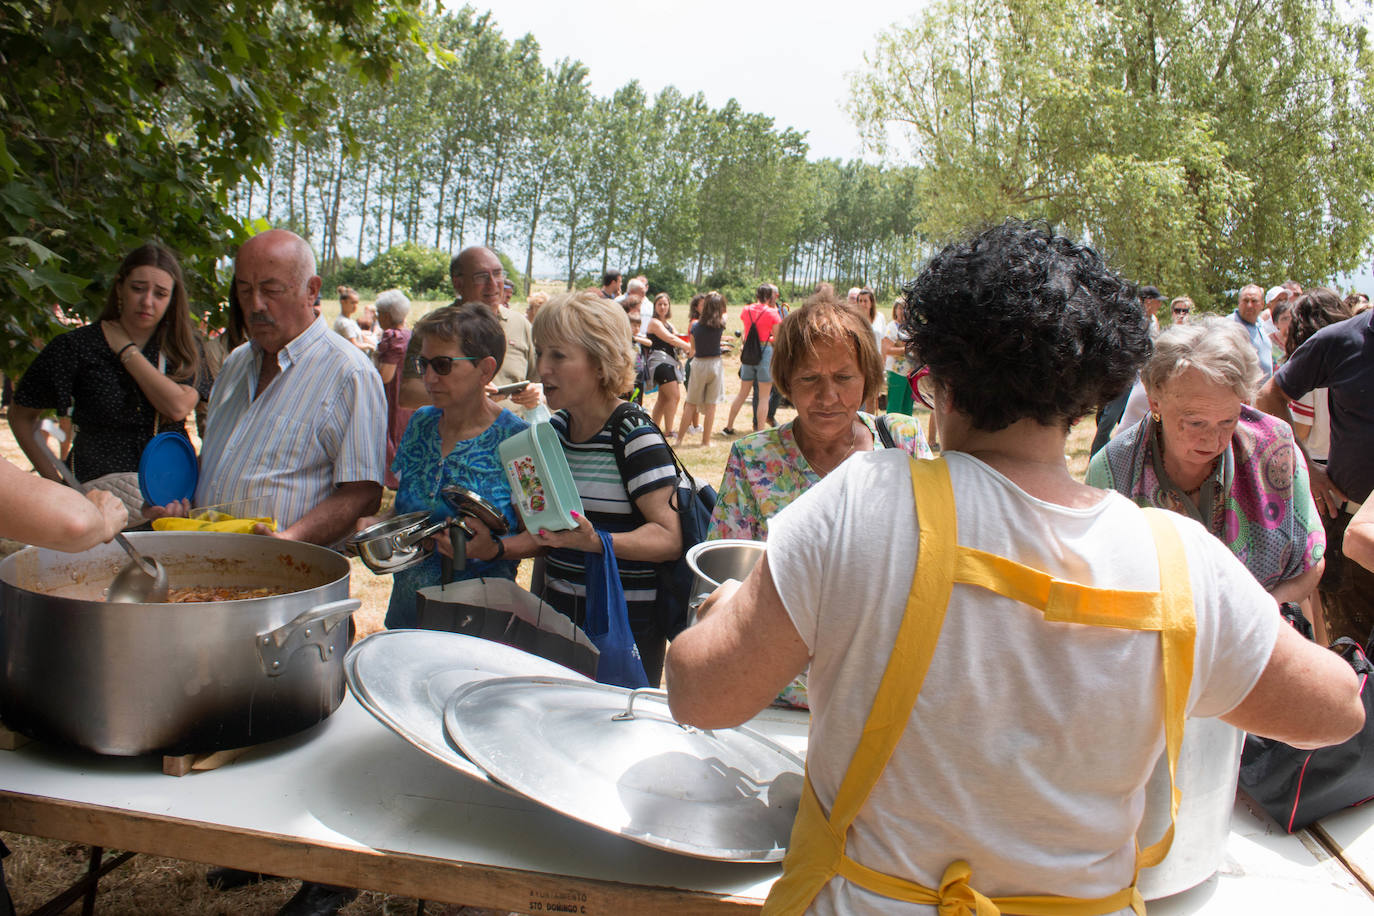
{"x": 694, "y": 502}
{"x": 751, "y": 354}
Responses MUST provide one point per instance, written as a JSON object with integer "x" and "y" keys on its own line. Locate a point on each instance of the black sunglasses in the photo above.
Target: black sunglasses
{"x": 1182, "y": 311}
{"x": 442, "y": 365}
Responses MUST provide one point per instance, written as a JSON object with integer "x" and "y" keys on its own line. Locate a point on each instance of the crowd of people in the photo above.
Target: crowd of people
{"x": 875, "y": 546}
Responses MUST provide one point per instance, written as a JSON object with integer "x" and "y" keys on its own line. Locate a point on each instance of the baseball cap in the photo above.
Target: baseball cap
{"x": 1274, "y": 293}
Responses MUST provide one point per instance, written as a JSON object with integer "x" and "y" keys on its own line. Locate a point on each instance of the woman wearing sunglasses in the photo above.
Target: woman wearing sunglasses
{"x": 454, "y": 442}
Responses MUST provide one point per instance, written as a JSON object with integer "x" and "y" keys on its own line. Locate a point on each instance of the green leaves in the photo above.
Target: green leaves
{"x": 130, "y": 121}
{"x": 1200, "y": 144}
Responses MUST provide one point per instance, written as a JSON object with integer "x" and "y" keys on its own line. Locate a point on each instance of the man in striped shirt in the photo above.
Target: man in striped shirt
{"x": 297, "y": 418}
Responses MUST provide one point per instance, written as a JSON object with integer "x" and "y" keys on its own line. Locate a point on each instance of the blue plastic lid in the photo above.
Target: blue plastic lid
{"x": 168, "y": 470}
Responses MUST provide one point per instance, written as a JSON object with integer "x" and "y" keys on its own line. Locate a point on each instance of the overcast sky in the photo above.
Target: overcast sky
{"x": 788, "y": 60}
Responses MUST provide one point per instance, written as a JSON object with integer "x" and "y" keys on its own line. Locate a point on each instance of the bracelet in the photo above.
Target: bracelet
{"x": 500, "y": 550}
{"x": 120, "y": 354}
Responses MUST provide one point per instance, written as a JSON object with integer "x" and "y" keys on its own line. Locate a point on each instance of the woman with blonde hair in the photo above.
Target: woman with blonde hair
{"x": 585, "y": 360}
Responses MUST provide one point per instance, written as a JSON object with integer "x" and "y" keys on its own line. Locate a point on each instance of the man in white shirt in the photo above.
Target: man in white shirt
{"x": 297, "y": 420}
{"x": 297, "y": 417}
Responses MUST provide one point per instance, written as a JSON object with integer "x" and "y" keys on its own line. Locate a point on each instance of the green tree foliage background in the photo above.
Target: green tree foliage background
{"x": 127, "y": 122}
{"x": 1202, "y": 144}
{"x": 487, "y": 144}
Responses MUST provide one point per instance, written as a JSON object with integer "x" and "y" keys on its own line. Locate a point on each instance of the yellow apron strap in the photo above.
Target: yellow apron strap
{"x": 1177, "y": 638}
{"x": 816, "y": 853}
{"x": 914, "y": 646}
{"x": 1061, "y": 601}
{"x": 817, "y": 845}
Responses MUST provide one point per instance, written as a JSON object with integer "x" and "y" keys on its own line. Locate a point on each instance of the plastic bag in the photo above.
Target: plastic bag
{"x": 608, "y": 621}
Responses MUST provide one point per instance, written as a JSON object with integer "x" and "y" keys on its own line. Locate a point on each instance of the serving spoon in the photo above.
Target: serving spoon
{"x": 143, "y": 580}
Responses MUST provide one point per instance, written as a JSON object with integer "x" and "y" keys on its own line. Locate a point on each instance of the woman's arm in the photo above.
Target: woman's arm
{"x": 169, "y": 397}
{"x": 387, "y": 371}
{"x": 1300, "y": 586}
{"x": 482, "y": 546}
{"x": 657, "y": 329}
{"x": 657, "y": 540}
{"x": 731, "y": 664}
{"x": 1359, "y": 536}
{"x": 55, "y": 516}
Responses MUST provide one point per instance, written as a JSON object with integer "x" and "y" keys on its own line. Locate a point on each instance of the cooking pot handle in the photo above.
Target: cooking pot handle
{"x": 407, "y": 540}
{"x": 310, "y": 628}
{"x": 629, "y": 712}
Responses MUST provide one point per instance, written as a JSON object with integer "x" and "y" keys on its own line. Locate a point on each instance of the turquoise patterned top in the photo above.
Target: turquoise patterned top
{"x": 474, "y": 464}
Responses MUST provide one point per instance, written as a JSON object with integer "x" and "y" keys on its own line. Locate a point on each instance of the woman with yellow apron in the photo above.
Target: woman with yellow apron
{"x": 989, "y": 699}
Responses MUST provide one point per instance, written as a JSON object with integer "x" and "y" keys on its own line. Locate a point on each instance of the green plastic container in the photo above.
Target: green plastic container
{"x": 541, "y": 484}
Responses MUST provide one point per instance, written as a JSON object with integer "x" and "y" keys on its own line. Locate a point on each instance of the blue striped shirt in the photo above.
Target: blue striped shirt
{"x": 320, "y": 423}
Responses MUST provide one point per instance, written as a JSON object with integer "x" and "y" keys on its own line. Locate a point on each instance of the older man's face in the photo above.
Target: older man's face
{"x": 1251, "y": 303}
{"x": 480, "y": 278}
{"x": 275, "y": 289}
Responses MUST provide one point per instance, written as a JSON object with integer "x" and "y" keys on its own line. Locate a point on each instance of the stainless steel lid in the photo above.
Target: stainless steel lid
{"x": 615, "y": 759}
{"x": 404, "y": 678}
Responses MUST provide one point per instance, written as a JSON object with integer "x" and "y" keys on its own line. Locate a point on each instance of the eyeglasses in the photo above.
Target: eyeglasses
{"x": 483, "y": 276}
{"x": 1182, "y": 311}
{"x": 923, "y": 385}
{"x": 442, "y": 365}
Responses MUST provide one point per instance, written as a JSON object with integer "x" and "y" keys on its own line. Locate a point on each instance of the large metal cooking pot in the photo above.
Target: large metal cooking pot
{"x": 130, "y": 679}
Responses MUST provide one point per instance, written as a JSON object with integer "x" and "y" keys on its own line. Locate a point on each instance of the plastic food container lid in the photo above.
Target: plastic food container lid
{"x": 168, "y": 469}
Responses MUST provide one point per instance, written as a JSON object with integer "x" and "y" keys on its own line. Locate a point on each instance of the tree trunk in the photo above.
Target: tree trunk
{"x": 362, "y": 211}
{"x": 291, "y": 188}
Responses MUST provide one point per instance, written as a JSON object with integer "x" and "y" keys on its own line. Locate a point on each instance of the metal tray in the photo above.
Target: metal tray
{"x": 404, "y": 678}
{"x": 615, "y": 759}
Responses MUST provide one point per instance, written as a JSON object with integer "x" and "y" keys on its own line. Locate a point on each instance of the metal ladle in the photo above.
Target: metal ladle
{"x": 143, "y": 580}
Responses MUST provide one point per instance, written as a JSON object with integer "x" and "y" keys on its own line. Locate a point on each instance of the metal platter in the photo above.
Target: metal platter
{"x": 615, "y": 759}
{"x": 405, "y": 677}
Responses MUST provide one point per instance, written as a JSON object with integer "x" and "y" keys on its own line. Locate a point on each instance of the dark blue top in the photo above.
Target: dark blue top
{"x": 1340, "y": 358}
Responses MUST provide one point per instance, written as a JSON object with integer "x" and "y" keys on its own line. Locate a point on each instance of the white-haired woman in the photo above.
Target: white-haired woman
{"x": 586, "y": 360}
{"x": 392, "y": 308}
{"x": 1202, "y": 451}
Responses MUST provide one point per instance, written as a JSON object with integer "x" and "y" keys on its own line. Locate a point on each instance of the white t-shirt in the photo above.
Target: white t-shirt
{"x": 879, "y": 325}
{"x": 347, "y": 328}
{"x": 898, "y": 364}
{"x": 1137, "y": 406}
{"x": 1311, "y": 409}
{"x": 1031, "y": 742}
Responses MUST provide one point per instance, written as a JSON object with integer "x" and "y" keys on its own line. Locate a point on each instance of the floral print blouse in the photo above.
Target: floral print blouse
{"x": 766, "y": 471}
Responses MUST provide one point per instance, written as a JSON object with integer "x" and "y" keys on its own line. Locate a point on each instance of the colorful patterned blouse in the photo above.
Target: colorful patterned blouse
{"x": 766, "y": 471}
{"x": 1257, "y": 500}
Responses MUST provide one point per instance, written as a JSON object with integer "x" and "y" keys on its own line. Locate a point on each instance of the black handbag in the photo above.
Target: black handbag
{"x": 1298, "y": 787}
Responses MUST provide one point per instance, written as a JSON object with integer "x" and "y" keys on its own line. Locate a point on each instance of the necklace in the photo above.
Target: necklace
{"x": 853, "y": 444}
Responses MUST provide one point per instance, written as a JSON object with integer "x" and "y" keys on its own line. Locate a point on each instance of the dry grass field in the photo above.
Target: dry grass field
{"x": 41, "y": 868}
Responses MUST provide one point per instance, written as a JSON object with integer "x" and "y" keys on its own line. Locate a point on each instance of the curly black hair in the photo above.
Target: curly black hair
{"x": 1018, "y": 322}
